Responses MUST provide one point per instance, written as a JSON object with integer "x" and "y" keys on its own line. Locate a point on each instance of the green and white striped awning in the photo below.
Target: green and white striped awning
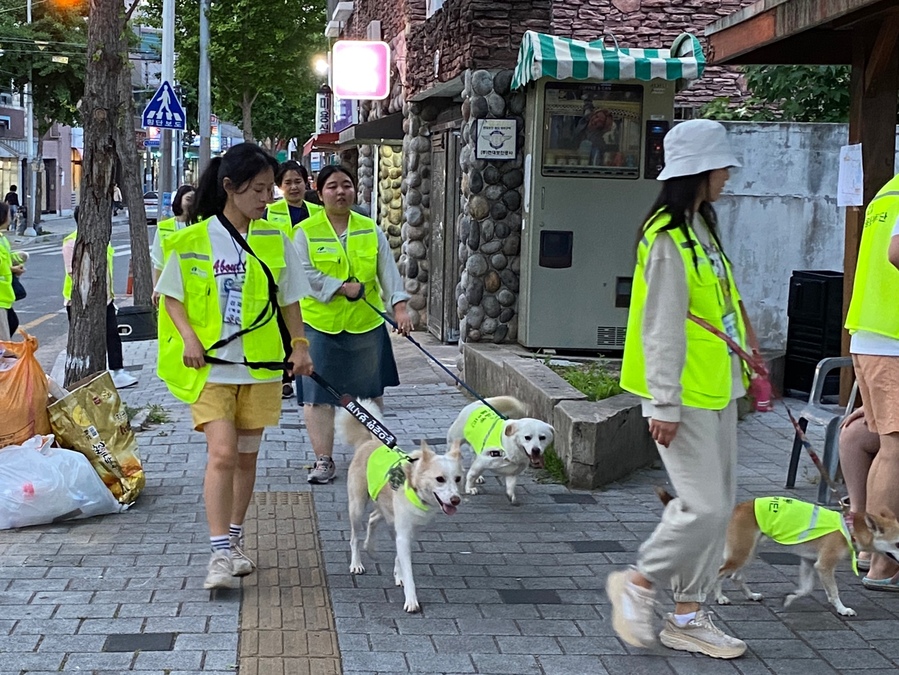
{"x": 559, "y": 58}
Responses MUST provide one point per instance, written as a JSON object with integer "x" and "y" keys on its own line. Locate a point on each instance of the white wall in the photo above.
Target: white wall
{"x": 779, "y": 214}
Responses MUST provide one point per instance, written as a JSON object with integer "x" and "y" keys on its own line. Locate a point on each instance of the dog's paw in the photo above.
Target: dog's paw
{"x": 397, "y": 580}
{"x": 789, "y": 599}
{"x": 472, "y": 491}
{"x": 357, "y": 568}
{"x": 722, "y": 600}
{"x": 480, "y": 480}
{"x": 846, "y": 611}
{"x": 412, "y": 606}
{"x": 513, "y": 500}
{"x": 757, "y": 597}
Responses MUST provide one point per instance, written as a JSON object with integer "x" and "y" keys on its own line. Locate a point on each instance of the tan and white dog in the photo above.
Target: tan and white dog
{"x": 817, "y": 535}
{"x": 408, "y": 491}
{"x": 505, "y": 447}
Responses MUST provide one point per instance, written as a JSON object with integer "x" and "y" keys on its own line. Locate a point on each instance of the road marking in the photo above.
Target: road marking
{"x": 39, "y": 321}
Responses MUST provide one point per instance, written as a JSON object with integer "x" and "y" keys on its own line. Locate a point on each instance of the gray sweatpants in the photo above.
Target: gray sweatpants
{"x": 686, "y": 549}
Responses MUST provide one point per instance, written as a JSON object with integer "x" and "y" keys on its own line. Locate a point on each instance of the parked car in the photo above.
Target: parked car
{"x": 150, "y": 204}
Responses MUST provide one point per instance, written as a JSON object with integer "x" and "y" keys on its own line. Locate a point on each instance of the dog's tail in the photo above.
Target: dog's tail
{"x": 509, "y": 406}
{"x": 664, "y": 495}
{"x": 348, "y": 429}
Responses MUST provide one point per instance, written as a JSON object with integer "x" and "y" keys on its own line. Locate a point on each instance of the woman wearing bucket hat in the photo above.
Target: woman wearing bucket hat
{"x": 689, "y": 382}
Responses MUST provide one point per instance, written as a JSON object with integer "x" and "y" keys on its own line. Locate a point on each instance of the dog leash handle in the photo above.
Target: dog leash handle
{"x": 433, "y": 358}
{"x": 357, "y": 410}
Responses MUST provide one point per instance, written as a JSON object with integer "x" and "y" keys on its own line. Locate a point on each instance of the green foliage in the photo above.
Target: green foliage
{"x": 260, "y": 53}
{"x": 57, "y": 30}
{"x": 553, "y": 468}
{"x": 789, "y": 94}
{"x": 592, "y": 379}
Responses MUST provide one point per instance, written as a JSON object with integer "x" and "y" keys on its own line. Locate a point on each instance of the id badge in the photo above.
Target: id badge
{"x": 730, "y": 328}
{"x": 234, "y": 306}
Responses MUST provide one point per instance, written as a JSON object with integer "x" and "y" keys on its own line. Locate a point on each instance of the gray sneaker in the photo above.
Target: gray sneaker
{"x": 220, "y": 572}
{"x": 701, "y": 636}
{"x": 241, "y": 563}
{"x": 633, "y": 616}
{"x": 323, "y": 471}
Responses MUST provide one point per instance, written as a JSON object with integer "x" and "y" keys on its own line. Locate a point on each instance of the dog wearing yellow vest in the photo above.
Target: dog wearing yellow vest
{"x": 407, "y": 491}
{"x": 817, "y": 535}
{"x": 505, "y": 447}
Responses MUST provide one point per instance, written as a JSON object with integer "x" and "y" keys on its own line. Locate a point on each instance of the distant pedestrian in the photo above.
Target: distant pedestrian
{"x": 689, "y": 382}
{"x": 116, "y": 361}
{"x": 8, "y": 269}
{"x": 12, "y": 199}
{"x": 117, "y": 203}
{"x": 181, "y": 207}
{"x": 873, "y": 321}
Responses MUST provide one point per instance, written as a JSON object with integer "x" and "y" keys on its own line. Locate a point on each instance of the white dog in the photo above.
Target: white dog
{"x": 407, "y": 491}
{"x": 505, "y": 447}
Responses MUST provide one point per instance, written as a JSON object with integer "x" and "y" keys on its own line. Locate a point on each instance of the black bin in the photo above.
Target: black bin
{"x": 814, "y": 332}
{"x": 136, "y": 323}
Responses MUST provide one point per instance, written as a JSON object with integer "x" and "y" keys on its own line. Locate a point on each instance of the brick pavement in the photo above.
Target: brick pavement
{"x": 503, "y": 589}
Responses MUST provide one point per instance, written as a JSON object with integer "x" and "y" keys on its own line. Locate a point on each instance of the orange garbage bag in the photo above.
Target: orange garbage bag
{"x": 23, "y": 393}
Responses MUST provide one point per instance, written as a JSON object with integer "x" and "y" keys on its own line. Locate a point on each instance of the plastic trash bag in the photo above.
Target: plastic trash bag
{"x": 40, "y": 484}
{"x": 92, "y": 420}
{"x": 23, "y": 393}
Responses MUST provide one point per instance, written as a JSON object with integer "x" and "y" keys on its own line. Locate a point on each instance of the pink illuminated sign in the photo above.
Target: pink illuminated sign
{"x": 360, "y": 69}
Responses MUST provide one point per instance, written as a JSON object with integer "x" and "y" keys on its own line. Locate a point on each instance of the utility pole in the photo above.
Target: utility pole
{"x": 30, "y": 185}
{"x": 204, "y": 112}
{"x": 168, "y": 75}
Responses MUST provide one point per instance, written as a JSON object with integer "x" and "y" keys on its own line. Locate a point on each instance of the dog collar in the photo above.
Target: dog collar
{"x": 414, "y": 499}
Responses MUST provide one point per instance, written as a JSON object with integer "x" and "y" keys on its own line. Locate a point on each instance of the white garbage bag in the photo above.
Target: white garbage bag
{"x": 40, "y": 484}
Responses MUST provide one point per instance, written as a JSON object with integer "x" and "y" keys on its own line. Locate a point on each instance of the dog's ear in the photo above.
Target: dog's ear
{"x": 455, "y": 451}
{"x": 874, "y": 523}
{"x": 426, "y": 452}
{"x": 511, "y": 428}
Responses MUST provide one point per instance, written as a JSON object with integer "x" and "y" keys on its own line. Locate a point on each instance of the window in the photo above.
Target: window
{"x": 433, "y": 6}
{"x": 4, "y": 121}
{"x": 592, "y": 129}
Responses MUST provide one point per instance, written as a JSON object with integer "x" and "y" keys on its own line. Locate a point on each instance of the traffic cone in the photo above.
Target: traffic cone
{"x": 129, "y": 289}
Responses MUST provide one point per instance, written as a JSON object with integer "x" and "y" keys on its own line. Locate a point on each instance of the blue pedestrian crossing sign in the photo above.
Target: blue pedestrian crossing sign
{"x": 164, "y": 110}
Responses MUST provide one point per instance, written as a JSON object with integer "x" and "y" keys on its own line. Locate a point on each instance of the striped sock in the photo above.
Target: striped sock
{"x": 222, "y": 543}
{"x": 236, "y": 530}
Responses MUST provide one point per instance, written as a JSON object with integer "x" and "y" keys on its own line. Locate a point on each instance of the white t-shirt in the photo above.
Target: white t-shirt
{"x": 229, "y": 265}
{"x": 156, "y": 246}
{"x": 875, "y": 344}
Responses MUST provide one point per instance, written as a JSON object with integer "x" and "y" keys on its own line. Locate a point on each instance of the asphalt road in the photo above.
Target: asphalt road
{"x": 42, "y": 313}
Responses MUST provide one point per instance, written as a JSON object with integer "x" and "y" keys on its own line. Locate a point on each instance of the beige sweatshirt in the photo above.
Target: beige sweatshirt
{"x": 664, "y": 333}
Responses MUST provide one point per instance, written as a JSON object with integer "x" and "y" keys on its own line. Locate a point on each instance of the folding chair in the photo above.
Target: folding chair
{"x": 830, "y": 416}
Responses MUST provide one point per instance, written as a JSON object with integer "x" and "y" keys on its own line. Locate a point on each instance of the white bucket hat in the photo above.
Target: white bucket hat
{"x": 696, "y": 146}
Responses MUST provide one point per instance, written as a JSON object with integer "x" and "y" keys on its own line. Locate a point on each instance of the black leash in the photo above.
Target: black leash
{"x": 433, "y": 358}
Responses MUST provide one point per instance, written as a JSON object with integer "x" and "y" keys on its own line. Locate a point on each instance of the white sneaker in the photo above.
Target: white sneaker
{"x": 701, "y": 636}
{"x": 632, "y": 610}
{"x": 121, "y": 379}
{"x": 241, "y": 563}
{"x": 220, "y": 571}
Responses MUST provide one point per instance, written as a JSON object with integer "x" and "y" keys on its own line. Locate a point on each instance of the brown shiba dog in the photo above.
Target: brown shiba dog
{"x": 821, "y": 545}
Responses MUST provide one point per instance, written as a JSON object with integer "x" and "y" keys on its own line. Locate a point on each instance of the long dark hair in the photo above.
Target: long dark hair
{"x": 177, "y": 208}
{"x": 241, "y": 164}
{"x": 677, "y": 198}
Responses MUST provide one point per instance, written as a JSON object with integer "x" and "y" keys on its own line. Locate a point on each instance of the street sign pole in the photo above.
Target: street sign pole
{"x": 168, "y": 75}
{"x": 205, "y": 93}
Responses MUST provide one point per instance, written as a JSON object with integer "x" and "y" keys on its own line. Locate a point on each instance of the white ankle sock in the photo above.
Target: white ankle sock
{"x": 683, "y": 619}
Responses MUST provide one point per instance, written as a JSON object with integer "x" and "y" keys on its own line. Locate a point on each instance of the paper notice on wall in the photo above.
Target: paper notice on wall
{"x": 851, "y": 177}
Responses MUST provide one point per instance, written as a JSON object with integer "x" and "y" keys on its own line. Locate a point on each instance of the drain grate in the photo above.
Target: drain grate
{"x": 144, "y": 642}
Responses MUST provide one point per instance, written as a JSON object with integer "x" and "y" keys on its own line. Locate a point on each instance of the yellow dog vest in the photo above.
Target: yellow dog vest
{"x": 381, "y": 463}
{"x": 483, "y": 429}
{"x": 790, "y": 521}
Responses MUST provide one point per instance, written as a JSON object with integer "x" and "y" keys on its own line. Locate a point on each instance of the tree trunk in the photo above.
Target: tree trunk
{"x": 126, "y": 145}
{"x": 246, "y": 108}
{"x": 38, "y": 178}
{"x": 86, "y": 352}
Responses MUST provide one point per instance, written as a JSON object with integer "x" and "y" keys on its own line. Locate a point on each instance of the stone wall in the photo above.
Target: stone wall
{"x": 490, "y": 219}
{"x": 365, "y": 176}
{"x": 390, "y": 196}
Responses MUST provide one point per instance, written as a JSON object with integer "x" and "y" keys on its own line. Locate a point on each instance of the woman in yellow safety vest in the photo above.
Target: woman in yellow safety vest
{"x": 181, "y": 204}
{"x": 350, "y": 268}
{"x": 293, "y": 208}
{"x": 224, "y": 282}
{"x": 10, "y": 266}
{"x": 689, "y": 381}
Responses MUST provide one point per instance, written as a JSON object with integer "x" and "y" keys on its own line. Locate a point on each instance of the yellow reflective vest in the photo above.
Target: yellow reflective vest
{"x": 706, "y": 377}
{"x": 359, "y": 260}
{"x": 7, "y": 295}
{"x": 193, "y": 250}
{"x": 67, "y": 282}
{"x": 874, "y": 305}
{"x": 484, "y": 429}
{"x": 279, "y": 214}
{"x": 381, "y": 463}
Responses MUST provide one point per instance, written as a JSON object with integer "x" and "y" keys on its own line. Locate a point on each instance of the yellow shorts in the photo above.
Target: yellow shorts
{"x": 878, "y": 384}
{"x": 249, "y": 406}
